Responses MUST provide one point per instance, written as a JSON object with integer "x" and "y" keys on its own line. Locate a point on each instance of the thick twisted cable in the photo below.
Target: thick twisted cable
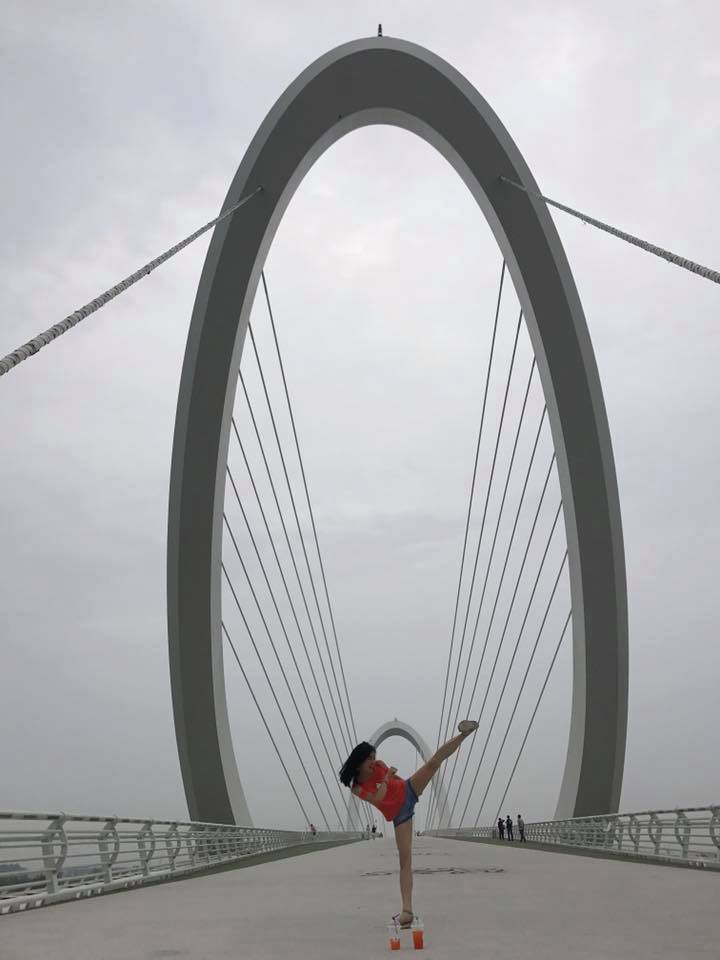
{"x": 675, "y": 258}
{"x": 43, "y": 339}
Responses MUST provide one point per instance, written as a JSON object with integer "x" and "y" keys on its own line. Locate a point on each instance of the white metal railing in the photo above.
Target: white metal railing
{"x": 690, "y": 836}
{"x": 50, "y": 857}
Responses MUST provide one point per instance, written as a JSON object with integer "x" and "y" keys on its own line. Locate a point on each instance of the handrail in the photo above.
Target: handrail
{"x": 689, "y": 836}
{"x": 50, "y": 857}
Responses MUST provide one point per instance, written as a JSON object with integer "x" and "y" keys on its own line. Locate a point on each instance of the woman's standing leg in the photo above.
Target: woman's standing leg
{"x": 403, "y": 838}
{"x": 422, "y": 777}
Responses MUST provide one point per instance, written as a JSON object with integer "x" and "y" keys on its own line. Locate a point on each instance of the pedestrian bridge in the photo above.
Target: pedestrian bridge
{"x": 477, "y": 899}
{"x": 591, "y": 884}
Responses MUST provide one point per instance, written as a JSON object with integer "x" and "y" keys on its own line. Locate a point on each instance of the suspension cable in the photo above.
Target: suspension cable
{"x": 500, "y": 646}
{"x": 674, "y": 258}
{"x": 467, "y": 524}
{"x": 307, "y": 497}
{"x": 291, "y": 552}
{"x": 507, "y": 554}
{"x": 512, "y": 717}
{"x": 275, "y": 697}
{"x": 280, "y": 666}
{"x": 532, "y": 718}
{"x": 507, "y": 678}
{"x": 488, "y": 567}
{"x": 495, "y": 534}
{"x": 279, "y": 615}
{"x": 300, "y": 532}
{"x": 285, "y": 584}
{"x": 43, "y": 339}
{"x": 482, "y": 529}
{"x": 512, "y": 600}
{"x": 287, "y": 589}
{"x": 265, "y": 724}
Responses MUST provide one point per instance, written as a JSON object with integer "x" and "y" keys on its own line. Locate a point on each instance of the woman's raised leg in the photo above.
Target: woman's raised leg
{"x": 422, "y": 777}
{"x": 403, "y": 838}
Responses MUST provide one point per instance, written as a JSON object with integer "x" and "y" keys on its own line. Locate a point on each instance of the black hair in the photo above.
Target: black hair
{"x": 359, "y": 755}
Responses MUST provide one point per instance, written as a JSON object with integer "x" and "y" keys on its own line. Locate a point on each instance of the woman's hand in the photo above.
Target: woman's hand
{"x": 381, "y": 790}
{"x": 391, "y": 773}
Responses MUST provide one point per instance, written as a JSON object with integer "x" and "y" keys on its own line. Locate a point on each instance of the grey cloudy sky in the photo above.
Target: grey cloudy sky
{"x": 123, "y": 126}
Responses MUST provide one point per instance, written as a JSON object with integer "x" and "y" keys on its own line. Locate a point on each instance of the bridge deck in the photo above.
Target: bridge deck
{"x": 325, "y": 905}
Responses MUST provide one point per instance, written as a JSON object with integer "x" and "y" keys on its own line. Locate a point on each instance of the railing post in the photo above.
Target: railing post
{"x": 634, "y": 832}
{"x": 172, "y": 844}
{"x": 682, "y": 832}
{"x": 655, "y": 831}
{"x": 714, "y": 827}
{"x": 108, "y": 858}
{"x": 52, "y": 862}
{"x": 146, "y": 846}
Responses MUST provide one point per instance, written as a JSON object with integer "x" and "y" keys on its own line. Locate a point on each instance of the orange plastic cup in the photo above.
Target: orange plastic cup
{"x": 418, "y": 939}
{"x": 394, "y": 942}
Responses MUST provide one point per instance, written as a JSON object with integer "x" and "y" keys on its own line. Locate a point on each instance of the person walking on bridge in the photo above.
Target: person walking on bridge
{"x": 521, "y": 828}
{"x": 509, "y": 826}
{"x": 371, "y": 780}
{"x": 501, "y": 828}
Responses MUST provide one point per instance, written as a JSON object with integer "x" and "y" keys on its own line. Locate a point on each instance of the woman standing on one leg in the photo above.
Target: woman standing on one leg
{"x": 371, "y": 780}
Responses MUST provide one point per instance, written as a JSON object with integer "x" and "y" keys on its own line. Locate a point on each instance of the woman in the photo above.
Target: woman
{"x": 370, "y": 780}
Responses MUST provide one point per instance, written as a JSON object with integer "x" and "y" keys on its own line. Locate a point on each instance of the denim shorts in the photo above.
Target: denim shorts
{"x": 407, "y": 811}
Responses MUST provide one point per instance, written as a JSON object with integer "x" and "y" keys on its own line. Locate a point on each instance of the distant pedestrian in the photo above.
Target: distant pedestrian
{"x": 374, "y": 829}
{"x": 509, "y": 827}
{"x": 501, "y": 828}
{"x": 313, "y": 829}
{"x": 521, "y": 828}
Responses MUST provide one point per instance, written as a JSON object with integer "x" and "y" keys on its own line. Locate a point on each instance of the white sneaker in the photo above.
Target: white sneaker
{"x": 467, "y": 726}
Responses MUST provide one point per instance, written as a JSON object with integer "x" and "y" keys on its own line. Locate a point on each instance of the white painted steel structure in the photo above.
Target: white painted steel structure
{"x": 389, "y": 81}
{"x": 63, "y": 856}
{"x": 689, "y": 836}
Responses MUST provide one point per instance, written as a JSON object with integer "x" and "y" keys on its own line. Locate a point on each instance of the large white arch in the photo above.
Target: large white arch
{"x": 389, "y": 81}
{"x": 396, "y": 728}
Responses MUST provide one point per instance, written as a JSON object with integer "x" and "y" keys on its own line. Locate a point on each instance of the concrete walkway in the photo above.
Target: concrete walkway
{"x": 505, "y": 903}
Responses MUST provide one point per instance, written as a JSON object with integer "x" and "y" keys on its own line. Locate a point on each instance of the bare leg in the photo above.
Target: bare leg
{"x": 422, "y": 777}
{"x": 403, "y": 838}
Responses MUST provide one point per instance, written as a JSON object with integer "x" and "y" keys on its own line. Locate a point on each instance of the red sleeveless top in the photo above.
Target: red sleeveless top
{"x": 391, "y": 804}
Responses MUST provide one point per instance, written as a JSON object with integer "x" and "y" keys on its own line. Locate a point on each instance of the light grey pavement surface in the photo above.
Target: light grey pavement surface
{"x": 531, "y": 905}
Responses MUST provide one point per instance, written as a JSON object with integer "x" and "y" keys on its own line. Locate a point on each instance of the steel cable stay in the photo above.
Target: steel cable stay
{"x": 309, "y": 503}
{"x": 512, "y": 717}
{"x": 495, "y": 537}
{"x": 280, "y": 666}
{"x": 507, "y": 552}
{"x": 517, "y": 580}
{"x": 500, "y": 646}
{"x": 532, "y": 720}
{"x": 274, "y": 694}
{"x": 265, "y": 724}
{"x": 507, "y": 678}
{"x": 467, "y": 521}
{"x": 480, "y": 537}
{"x": 510, "y": 543}
{"x": 283, "y": 577}
{"x": 280, "y": 618}
{"x": 287, "y": 588}
{"x": 300, "y": 532}
{"x": 290, "y": 548}
{"x": 484, "y": 517}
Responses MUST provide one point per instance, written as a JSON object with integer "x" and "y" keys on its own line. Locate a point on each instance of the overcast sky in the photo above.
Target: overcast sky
{"x": 122, "y": 128}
